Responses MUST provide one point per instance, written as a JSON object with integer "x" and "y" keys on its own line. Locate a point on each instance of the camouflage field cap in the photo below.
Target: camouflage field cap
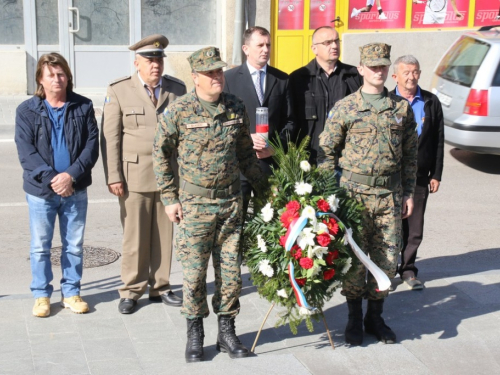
{"x": 206, "y": 59}
{"x": 375, "y": 54}
{"x": 151, "y": 46}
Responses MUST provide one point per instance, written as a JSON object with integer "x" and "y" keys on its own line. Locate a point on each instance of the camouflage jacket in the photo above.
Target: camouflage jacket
{"x": 211, "y": 151}
{"x": 374, "y": 143}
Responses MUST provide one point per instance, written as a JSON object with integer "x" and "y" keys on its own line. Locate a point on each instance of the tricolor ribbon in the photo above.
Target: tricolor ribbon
{"x": 296, "y": 227}
{"x": 382, "y": 280}
{"x": 293, "y": 232}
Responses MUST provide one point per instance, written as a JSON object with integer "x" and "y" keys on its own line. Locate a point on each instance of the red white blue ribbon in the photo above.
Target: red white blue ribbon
{"x": 293, "y": 232}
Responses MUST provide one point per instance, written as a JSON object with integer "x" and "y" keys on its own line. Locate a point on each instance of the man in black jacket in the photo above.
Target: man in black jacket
{"x": 430, "y": 130}
{"x": 316, "y": 87}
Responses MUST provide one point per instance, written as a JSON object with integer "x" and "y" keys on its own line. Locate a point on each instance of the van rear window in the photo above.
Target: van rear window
{"x": 463, "y": 60}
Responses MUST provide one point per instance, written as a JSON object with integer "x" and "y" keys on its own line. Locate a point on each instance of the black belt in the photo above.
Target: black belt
{"x": 380, "y": 181}
{"x": 234, "y": 188}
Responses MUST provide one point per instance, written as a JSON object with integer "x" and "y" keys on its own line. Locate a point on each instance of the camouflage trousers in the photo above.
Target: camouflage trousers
{"x": 210, "y": 227}
{"x": 381, "y": 241}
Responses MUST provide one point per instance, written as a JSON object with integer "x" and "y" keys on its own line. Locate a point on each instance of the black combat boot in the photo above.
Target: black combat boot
{"x": 195, "y": 336}
{"x": 227, "y": 341}
{"x": 354, "y": 328}
{"x": 375, "y": 325}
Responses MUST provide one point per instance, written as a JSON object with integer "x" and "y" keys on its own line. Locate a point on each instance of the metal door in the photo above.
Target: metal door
{"x": 93, "y": 35}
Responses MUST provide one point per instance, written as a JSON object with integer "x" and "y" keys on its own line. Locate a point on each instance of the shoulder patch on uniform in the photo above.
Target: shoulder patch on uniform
{"x": 119, "y": 80}
{"x": 165, "y": 111}
{"x": 330, "y": 114}
{"x": 170, "y": 78}
{"x": 107, "y": 99}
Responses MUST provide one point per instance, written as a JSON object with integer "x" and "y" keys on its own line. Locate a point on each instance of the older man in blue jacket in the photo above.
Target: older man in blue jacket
{"x": 58, "y": 145}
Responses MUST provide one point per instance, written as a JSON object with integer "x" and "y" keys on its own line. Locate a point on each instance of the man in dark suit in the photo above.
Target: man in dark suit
{"x": 261, "y": 85}
{"x": 430, "y": 130}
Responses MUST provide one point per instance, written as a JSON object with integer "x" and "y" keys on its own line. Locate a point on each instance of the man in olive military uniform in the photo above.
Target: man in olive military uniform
{"x": 375, "y": 132}
{"x": 132, "y": 108}
{"x": 210, "y": 131}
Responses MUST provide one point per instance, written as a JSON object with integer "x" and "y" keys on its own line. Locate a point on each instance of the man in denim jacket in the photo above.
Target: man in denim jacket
{"x": 57, "y": 142}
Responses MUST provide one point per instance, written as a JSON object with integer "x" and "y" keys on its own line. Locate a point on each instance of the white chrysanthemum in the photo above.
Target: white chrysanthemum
{"x": 261, "y": 243}
{"x": 303, "y": 188}
{"x": 282, "y": 293}
{"x": 265, "y": 268}
{"x": 333, "y": 201}
{"x": 320, "y": 228}
{"x": 309, "y": 212}
{"x": 318, "y": 251}
{"x": 333, "y": 286}
{"x": 305, "y": 166}
{"x": 304, "y": 311}
{"x": 347, "y": 266}
{"x": 306, "y": 238}
{"x": 267, "y": 213}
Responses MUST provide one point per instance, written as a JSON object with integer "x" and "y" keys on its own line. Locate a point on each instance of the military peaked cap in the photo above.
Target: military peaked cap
{"x": 151, "y": 46}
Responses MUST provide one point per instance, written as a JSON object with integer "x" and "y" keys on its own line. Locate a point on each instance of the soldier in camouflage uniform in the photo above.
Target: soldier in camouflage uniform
{"x": 375, "y": 132}
{"x": 210, "y": 131}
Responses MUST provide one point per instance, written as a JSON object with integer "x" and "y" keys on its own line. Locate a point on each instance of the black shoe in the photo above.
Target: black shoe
{"x": 354, "y": 328}
{"x": 127, "y": 305}
{"x": 195, "y": 336}
{"x": 227, "y": 341}
{"x": 169, "y": 299}
{"x": 375, "y": 325}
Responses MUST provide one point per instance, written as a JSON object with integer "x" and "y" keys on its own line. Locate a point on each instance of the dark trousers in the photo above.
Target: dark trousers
{"x": 413, "y": 230}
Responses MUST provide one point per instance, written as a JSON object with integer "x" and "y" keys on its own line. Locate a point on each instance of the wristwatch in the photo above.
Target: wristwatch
{"x": 73, "y": 180}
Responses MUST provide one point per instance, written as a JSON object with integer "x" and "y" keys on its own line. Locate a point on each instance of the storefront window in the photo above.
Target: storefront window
{"x": 11, "y": 22}
{"x": 185, "y": 22}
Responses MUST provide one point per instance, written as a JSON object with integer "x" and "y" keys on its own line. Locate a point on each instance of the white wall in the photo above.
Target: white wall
{"x": 13, "y": 75}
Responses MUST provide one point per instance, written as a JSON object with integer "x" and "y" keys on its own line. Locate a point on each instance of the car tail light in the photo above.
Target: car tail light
{"x": 477, "y": 103}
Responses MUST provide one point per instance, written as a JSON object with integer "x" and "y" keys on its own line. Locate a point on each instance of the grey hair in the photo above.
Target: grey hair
{"x": 407, "y": 60}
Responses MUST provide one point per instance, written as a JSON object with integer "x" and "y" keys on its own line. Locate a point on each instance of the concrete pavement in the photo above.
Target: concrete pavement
{"x": 450, "y": 327}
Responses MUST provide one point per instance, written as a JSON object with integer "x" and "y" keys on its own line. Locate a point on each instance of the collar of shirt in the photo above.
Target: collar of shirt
{"x": 417, "y": 105}
{"x": 253, "y": 73}
{"x": 157, "y": 87}
{"x": 320, "y": 71}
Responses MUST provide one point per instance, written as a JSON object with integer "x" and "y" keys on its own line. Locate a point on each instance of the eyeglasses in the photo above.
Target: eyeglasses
{"x": 327, "y": 43}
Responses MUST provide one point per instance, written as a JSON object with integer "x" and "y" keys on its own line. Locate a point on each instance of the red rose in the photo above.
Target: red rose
{"x": 282, "y": 241}
{"x": 328, "y": 274}
{"x": 287, "y": 217}
{"x": 335, "y": 254}
{"x": 296, "y": 252}
{"x": 323, "y": 239}
{"x": 323, "y": 205}
{"x": 306, "y": 263}
{"x": 293, "y": 206}
{"x": 301, "y": 282}
{"x": 332, "y": 225}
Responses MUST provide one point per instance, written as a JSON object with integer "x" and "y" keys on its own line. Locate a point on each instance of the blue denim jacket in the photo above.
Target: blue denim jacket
{"x": 33, "y": 139}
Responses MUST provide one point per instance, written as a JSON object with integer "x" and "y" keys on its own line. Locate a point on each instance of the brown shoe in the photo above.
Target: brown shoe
{"x": 75, "y": 304}
{"x": 42, "y": 307}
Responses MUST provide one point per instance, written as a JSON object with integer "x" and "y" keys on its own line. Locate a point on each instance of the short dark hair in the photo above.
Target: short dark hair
{"x": 52, "y": 59}
{"x": 321, "y": 28}
{"x": 247, "y": 35}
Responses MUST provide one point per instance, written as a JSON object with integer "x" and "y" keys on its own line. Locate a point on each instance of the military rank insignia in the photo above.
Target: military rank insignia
{"x": 398, "y": 118}
{"x": 165, "y": 111}
{"x": 330, "y": 114}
